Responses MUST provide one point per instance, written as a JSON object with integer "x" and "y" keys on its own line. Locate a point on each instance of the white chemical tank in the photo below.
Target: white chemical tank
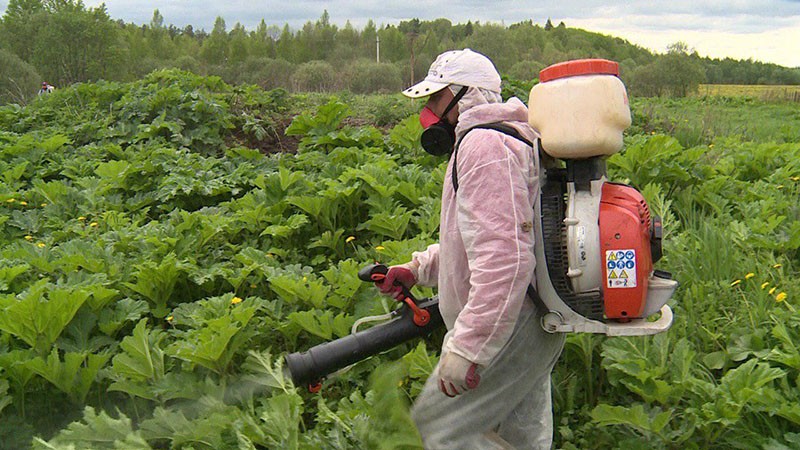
{"x": 580, "y": 109}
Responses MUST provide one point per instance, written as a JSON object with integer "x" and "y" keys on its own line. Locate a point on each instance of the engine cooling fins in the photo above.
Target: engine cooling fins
{"x": 553, "y": 204}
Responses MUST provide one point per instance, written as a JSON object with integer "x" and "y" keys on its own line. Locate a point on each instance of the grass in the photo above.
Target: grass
{"x": 760, "y": 91}
{"x": 700, "y": 120}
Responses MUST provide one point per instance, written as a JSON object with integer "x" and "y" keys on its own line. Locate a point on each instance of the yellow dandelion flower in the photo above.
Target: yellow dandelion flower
{"x": 236, "y": 301}
{"x": 170, "y": 318}
{"x": 749, "y": 275}
{"x": 795, "y": 178}
{"x": 28, "y": 238}
{"x": 777, "y": 266}
{"x": 764, "y": 285}
{"x": 379, "y": 248}
{"x": 780, "y": 186}
{"x": 350, "y": 239}
{"x": 93, "y": 224}
{"x": 772, "y": 291}
{"x": 710, "y": 145}
{"x": 11, "y": 200}
{"x": 23, "y": 203}
{"x": 40, "y": 245}
{"x": 81, "y": 218}
{"x": 736, "y": 282}
{"x": 781, "y": 297}
{"x": 44, "y": 204}
{"x": 305, "y": 279}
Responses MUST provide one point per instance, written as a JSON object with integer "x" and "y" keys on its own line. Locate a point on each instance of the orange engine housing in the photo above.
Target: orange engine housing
{"x": 625, "y": 250}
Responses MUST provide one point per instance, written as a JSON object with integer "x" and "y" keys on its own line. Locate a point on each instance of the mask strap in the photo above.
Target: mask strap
{"x": 455, "y": 100}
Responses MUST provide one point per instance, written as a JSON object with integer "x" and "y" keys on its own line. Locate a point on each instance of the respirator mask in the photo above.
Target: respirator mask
{"x": 439, "y": 136}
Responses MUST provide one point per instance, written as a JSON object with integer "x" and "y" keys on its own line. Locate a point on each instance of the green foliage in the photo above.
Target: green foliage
{"x": 159, "y": 258}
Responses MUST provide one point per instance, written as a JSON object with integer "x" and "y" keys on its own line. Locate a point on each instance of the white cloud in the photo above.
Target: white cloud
{"x": 778, "y": 44}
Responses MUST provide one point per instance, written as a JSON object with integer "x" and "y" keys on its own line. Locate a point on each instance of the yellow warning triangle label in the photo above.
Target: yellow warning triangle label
{"x": 623, "y": 274}
{"x": 613, "y": 274}
{"x": 612, "y": 257}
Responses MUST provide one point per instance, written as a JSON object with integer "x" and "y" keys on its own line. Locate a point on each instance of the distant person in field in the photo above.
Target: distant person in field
{"x": 491, "y": 387}
{"x": 46, "y": 88}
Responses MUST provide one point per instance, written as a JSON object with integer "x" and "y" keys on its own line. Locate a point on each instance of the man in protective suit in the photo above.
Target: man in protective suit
{"x": 491, "y": 388}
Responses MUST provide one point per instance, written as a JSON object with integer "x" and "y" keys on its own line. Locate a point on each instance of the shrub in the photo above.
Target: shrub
{"x": 366, "y": 77}
{"x": 19, "y": 81}
{"x": 525, "y": 70}
{"x": 268, "y": 73}
{"x": 315, "y": 76}
{"x": 188, "y": 63}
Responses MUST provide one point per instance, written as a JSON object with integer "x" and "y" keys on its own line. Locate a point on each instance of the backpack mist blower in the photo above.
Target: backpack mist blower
{"x": 595, "y": 241}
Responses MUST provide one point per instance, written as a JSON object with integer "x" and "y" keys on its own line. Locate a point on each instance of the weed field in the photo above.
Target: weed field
{"x": 166, "y": 242}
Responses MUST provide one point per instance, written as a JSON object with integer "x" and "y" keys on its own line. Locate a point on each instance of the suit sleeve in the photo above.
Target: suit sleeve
{"x": 427, "y": 266}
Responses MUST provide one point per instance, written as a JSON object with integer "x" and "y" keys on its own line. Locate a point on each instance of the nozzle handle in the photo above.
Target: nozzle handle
{"x": 377, "y": 273}
{"x": 367, "y": 273}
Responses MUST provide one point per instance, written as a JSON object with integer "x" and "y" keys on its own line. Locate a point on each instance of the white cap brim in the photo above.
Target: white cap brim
{"x": 424, "y": 88}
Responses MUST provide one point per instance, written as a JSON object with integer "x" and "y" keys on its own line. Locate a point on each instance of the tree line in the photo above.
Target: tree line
{"x": 64, "y": 42}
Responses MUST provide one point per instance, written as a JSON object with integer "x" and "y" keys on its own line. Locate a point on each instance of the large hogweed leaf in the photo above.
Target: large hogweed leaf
{"x": 215, "y": 331}
{"x": 97, "y": 431}
{"x": 327, "y": 119}
{"x": 279, "y": 418}
{"x": 203, "y": 432}
{"x": 140, "y": 362}
{"x": 788, "y": 352}
{"x": 391, "y": 224}
{"x": 113, "y": 318}
{"x": 322, "y": 323}
{"x": 649, "y": 423}
{"x": 304, "y": 287}
{"x": 156, "y": 282}
{"x": 5, "y": 399}
{"x": 9, "y": 273}
{"x": 74, "y": 375}
{"x": 654, "y": 369}
{"x": 39, "y": 320}
{"x": 344, "y": 280}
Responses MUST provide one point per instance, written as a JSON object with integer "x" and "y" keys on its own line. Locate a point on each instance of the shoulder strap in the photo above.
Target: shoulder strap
{"x": 497, "y": 126}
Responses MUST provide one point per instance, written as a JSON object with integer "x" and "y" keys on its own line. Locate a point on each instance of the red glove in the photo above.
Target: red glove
{"x": 457, "y": 374}
{"x": 396, "y": 278}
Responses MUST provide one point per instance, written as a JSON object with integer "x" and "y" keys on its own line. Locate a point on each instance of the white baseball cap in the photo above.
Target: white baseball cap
{"x": 461, "y": 67}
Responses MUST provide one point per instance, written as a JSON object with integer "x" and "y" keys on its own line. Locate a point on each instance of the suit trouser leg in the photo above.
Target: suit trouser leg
{"x": 513, "y": 400}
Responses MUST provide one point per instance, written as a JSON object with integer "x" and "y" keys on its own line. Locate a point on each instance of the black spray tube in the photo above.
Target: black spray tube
{"x": 312, "y": 366}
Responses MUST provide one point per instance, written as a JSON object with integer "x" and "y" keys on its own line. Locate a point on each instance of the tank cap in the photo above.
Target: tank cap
{"x": 579, "y": 67}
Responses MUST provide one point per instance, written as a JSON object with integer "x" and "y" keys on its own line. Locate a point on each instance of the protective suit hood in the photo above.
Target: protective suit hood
{"x": 479, "y": 107}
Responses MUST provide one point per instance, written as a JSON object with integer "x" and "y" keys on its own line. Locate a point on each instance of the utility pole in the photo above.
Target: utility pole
{"x": 412, "y": 36}
{"x": 378, "y": 45}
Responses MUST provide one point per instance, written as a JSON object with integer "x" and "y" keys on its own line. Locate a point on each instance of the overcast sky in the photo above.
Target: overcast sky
{"x": 764, "y": 30}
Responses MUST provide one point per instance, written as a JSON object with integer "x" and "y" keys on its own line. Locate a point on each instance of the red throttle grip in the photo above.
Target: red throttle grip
{"x": 376, "y": 273}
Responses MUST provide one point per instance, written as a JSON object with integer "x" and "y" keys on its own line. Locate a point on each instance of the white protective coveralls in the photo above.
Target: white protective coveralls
{"x": 482, "y": 266}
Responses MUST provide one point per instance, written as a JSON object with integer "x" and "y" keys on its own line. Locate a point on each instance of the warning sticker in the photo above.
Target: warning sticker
{"x": 621, "y": 266}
